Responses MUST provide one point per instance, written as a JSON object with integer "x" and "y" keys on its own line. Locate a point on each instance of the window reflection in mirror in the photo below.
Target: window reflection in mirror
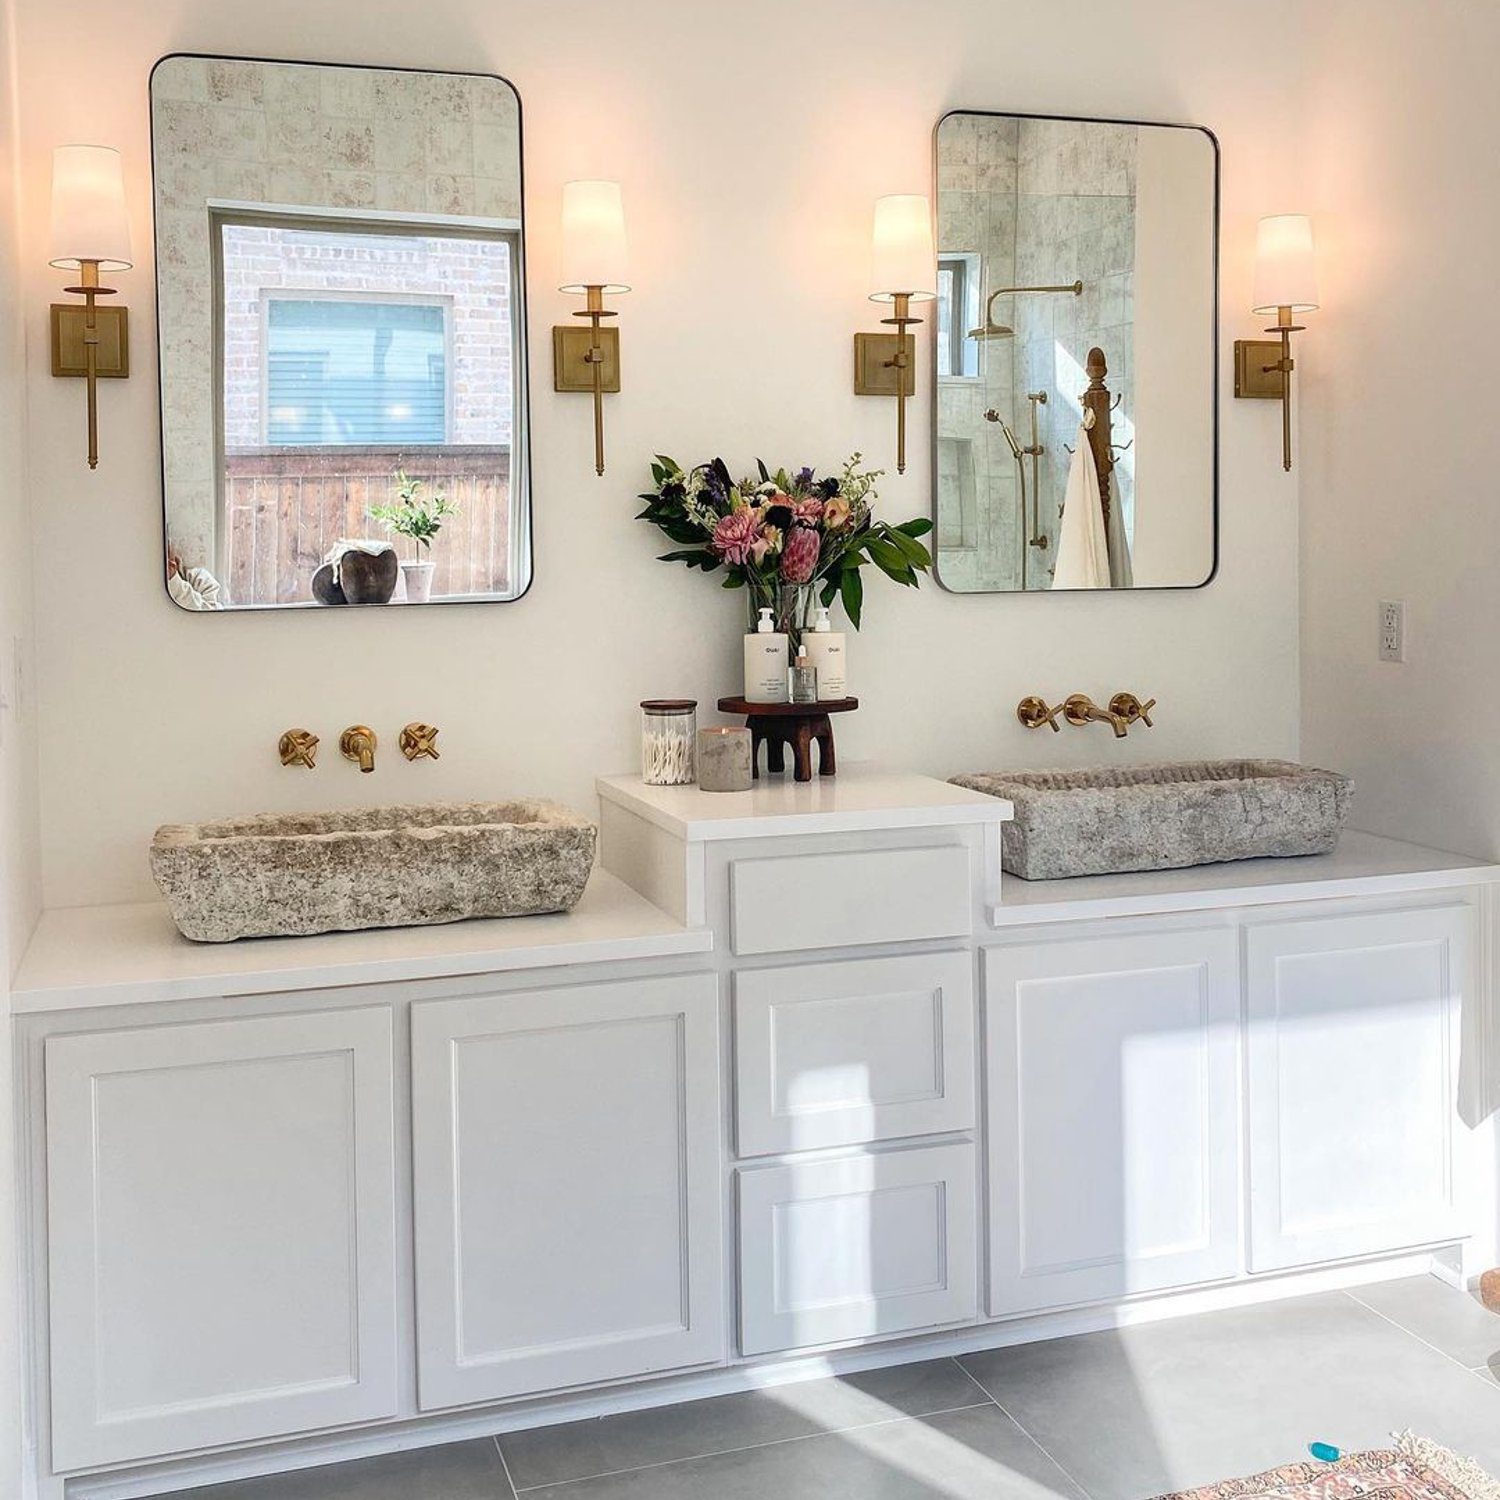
{"x": 343, "y": 413}
{"x": 1076, "y": 283}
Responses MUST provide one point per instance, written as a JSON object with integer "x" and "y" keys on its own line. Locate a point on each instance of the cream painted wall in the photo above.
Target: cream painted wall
{"x": 751, "y": 142}
{"x": 19, "y": 865}
{"x": 1397, "y": 458}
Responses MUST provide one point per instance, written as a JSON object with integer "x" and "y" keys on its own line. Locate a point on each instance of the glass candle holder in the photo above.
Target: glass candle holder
{"x": 669, "y": 728}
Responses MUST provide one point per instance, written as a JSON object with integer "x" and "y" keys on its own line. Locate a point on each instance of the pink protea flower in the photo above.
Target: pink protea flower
{"x": 809, "y": 509}
{"x": 799, "y": 559}
{"x": 736, "y": 534}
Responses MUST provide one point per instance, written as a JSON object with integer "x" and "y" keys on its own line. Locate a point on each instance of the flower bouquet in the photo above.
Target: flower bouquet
{"x": 787, "y": 539}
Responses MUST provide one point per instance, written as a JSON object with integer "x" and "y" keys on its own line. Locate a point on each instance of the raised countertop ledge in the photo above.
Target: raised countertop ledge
{"x": 857, "y": 800}
{"x": 1364, "y": 864}
{"x": 87, "y": 956}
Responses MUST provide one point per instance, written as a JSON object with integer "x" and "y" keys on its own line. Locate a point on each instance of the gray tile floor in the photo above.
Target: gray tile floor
{"x": 1103, "y": 1416}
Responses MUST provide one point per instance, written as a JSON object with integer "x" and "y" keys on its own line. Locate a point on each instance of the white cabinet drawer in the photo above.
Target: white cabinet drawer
{"x": 839, "y": 1054}
{"x": 856, "y": 1247}
{"x": 788, "y": 903}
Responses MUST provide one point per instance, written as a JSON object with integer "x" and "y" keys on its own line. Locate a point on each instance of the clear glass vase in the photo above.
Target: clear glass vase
{"x": 794, "y": 607}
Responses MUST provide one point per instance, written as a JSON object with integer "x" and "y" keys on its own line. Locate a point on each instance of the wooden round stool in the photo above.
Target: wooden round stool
{"x": 798, "y": 725}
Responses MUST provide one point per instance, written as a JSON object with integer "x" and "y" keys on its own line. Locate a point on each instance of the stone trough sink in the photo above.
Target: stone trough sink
{"x": 1102, "y": 821}
{"x": 283, "y": 875}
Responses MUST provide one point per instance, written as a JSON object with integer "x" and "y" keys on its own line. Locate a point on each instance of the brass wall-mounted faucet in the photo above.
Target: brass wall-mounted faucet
{"x": 299, "y": 747}
{"x": 358, "y": 743}
{"x": 1079, "y": 709}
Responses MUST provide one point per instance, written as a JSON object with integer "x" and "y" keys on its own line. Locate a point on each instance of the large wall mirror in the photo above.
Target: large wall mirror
{"x": 342, "y": 324}
{"x": 1075, "y": 354}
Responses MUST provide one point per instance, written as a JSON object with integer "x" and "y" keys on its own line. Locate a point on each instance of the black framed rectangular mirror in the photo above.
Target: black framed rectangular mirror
{"x": 1075, "y": 354}
{"x": 341, "y": 306}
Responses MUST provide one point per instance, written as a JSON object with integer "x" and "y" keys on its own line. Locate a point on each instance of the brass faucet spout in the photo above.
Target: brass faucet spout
{"x": 358, "y": 743}
{"x": 1080, "y": 709}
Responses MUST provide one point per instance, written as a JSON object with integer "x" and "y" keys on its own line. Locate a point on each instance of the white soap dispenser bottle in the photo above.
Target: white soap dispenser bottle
{"x": 825, "y": 648}
{"x": 766, "y": 662}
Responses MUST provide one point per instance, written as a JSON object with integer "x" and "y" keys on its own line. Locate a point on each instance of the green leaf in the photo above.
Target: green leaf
{"x": 919, "y": 527}
{"x": 909, "y": 547}
{"x": 885, "y": 556}
{"x": 852, "y": 590}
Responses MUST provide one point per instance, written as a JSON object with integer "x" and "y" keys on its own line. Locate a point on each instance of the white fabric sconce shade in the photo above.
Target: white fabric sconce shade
{"x": 89, "y": 222}
{"x": 902, "y": 258}
{"x": 1285, "y": 272}
{"x": 593, "y": 238}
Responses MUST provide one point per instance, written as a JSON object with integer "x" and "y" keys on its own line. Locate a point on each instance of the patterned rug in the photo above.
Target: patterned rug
{"x": 1415, "y": 1469}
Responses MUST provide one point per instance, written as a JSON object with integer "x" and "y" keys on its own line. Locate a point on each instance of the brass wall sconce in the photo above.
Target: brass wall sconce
{"x": 903, "y": 270}
{"x": 1285, "y": 284}
{"x": 594, "y": 264}
{"x": 90, "y": 234}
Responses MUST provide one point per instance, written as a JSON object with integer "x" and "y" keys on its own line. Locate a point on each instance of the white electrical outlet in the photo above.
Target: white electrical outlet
{"x": 1392, "y": 645}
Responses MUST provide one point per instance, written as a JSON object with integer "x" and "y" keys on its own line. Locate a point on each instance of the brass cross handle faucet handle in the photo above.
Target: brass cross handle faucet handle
{"x": 1130, "y": 708}
{"x": 1033, "y": 713}
{"x": 298, "y": 747}
{"x": 358, "y": 743}
{"x": 418, "y": 740}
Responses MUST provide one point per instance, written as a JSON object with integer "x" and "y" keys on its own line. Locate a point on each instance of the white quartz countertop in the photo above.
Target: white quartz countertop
{"x": 856, "y": 800}
{"x": 1364, "y": 864}
{"x": 132, "y": 954}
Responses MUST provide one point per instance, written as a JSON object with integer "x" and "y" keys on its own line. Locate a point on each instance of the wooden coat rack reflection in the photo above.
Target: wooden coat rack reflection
{"x": 1097, "y": 400}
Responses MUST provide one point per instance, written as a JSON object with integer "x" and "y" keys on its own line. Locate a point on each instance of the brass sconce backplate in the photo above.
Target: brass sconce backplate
{"x": 113, "y": 323}
{"x": 570, "y": 367}
{"x": 1251, "y": 377}
{"x": 875, "y": 371}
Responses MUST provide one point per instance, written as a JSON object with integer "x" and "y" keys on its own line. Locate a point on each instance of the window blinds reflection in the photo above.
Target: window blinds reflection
{"x": 342, "y": 371}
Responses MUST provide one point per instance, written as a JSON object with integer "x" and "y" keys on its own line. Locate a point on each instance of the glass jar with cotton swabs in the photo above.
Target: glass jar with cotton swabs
{"x": 669, "y": 728}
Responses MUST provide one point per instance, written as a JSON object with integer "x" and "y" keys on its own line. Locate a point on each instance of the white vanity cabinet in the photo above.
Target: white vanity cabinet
{"x": 798, "y": 1075}
{"x": 1112, "y": 1078}
{"x": 222, "y": 1232}
{"x": 1353, "y": 1066}
{"x": 566, "y": 1172}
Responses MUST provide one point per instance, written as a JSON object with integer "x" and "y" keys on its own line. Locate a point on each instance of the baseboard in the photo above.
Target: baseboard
{"x": 399, "y": 1435}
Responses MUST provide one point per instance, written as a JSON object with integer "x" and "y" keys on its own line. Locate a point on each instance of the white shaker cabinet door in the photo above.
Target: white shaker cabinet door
{"x": 1112, "y": 1105}
{"x": 1353, "y": 1058}
{"x": 220, "y": 1231}
{"x": 567, "y": 1174}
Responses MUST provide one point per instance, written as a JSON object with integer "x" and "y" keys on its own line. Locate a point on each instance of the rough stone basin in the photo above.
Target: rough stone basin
{"x": 1100, "y": 822}
{"x": 280, "y": 875}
